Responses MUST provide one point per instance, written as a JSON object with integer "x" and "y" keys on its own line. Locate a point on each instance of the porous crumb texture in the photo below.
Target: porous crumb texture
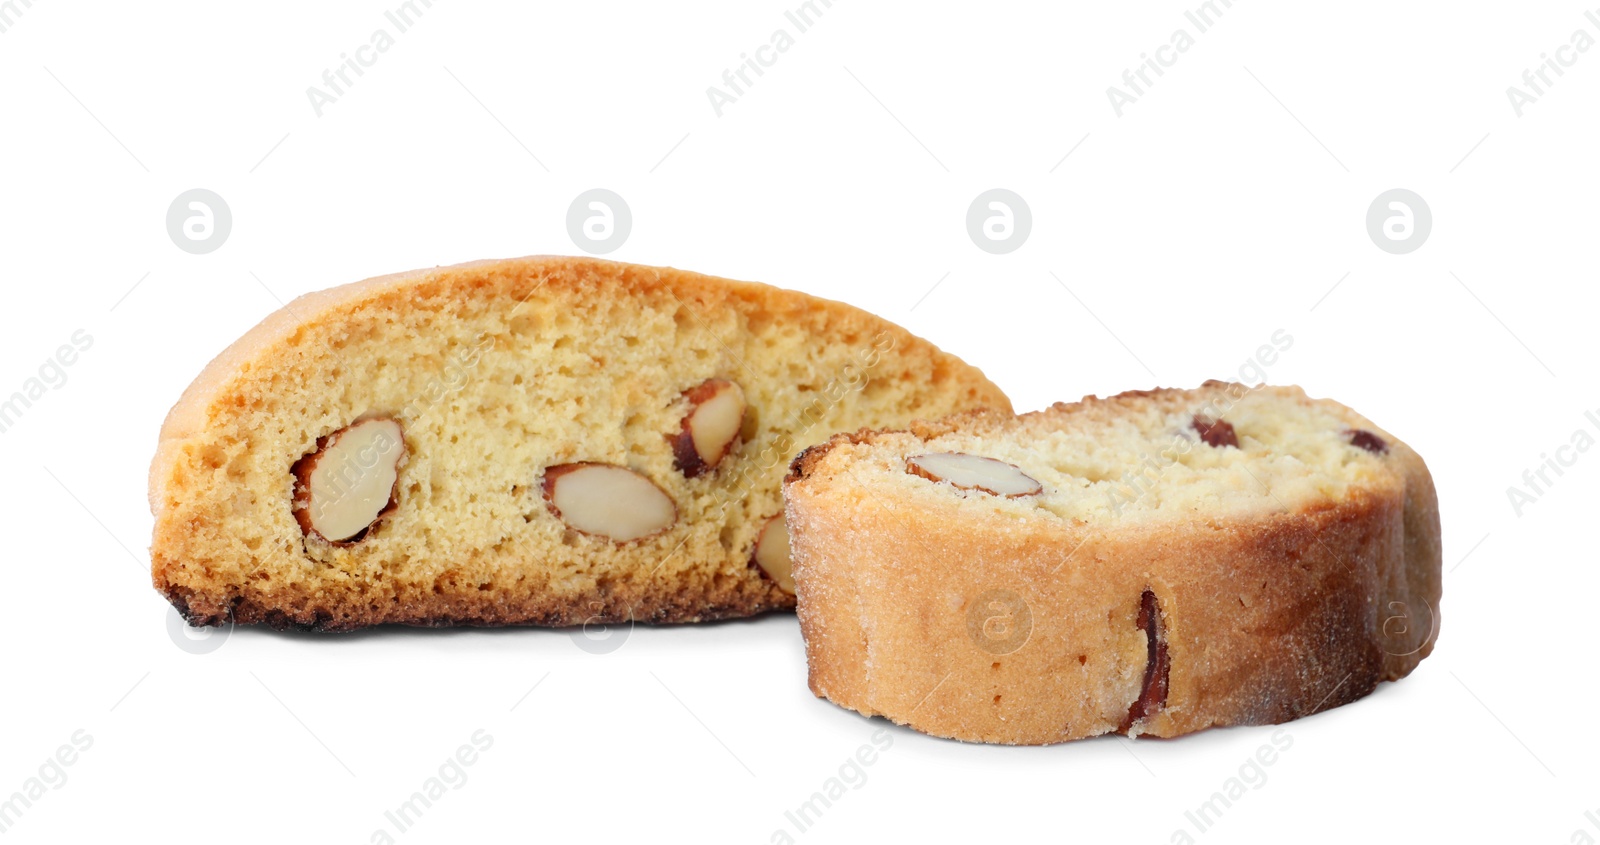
{"x": 496, "y": 371}
{"x": 1287, "y": 547}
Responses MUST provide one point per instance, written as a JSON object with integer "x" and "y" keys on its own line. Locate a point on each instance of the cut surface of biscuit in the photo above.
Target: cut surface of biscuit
{"x": 1157, "y": 562}
{"x": 542, "y": 441}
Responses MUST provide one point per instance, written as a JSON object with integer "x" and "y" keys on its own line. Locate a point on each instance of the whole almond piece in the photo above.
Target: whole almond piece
{"x": 350, "y": 481}
{"x": 606, "y": 500}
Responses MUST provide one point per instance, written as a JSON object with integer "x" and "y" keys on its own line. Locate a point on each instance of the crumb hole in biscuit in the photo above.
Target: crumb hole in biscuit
{"x": 524, "y": 324}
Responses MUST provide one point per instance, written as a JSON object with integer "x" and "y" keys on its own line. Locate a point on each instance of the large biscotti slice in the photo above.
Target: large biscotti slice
{"x": 535, "y": 441}
{"x": 1153, "y": 563}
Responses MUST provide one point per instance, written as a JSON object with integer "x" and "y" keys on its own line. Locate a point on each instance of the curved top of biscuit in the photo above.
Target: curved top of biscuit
{"x": 208, "y": 393}
{"x": 1107, "y": 447}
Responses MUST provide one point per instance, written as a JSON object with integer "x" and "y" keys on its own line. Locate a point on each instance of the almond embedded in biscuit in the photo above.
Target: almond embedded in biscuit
{"x": 1158, "y": 665}
{"x": 974, "y": 472}
{"x": 711, "y": 428}
{"x": 1361, "y": 438}
{"x": 605, "y": 500}
{"x": 771, "y": 553}
{"x": 1216, "y": 433}
{"x": 497, "y": 370}
{"x": 350, "y": 480}
{"x": 1173, "y": 585}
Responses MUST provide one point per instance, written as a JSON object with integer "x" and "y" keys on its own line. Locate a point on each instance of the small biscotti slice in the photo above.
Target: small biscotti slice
{"x": 525, "y": 442}
{"x": 1158, "y": 562}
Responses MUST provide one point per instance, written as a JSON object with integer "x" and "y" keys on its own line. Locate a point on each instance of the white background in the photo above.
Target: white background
{"x": 1223, "y": 205}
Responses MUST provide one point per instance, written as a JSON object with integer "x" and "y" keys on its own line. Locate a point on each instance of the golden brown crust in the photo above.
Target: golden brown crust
{"x": 301, "y": 610}
{"x": 1266, "y": 618}
{"x": 212, "y": 591}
